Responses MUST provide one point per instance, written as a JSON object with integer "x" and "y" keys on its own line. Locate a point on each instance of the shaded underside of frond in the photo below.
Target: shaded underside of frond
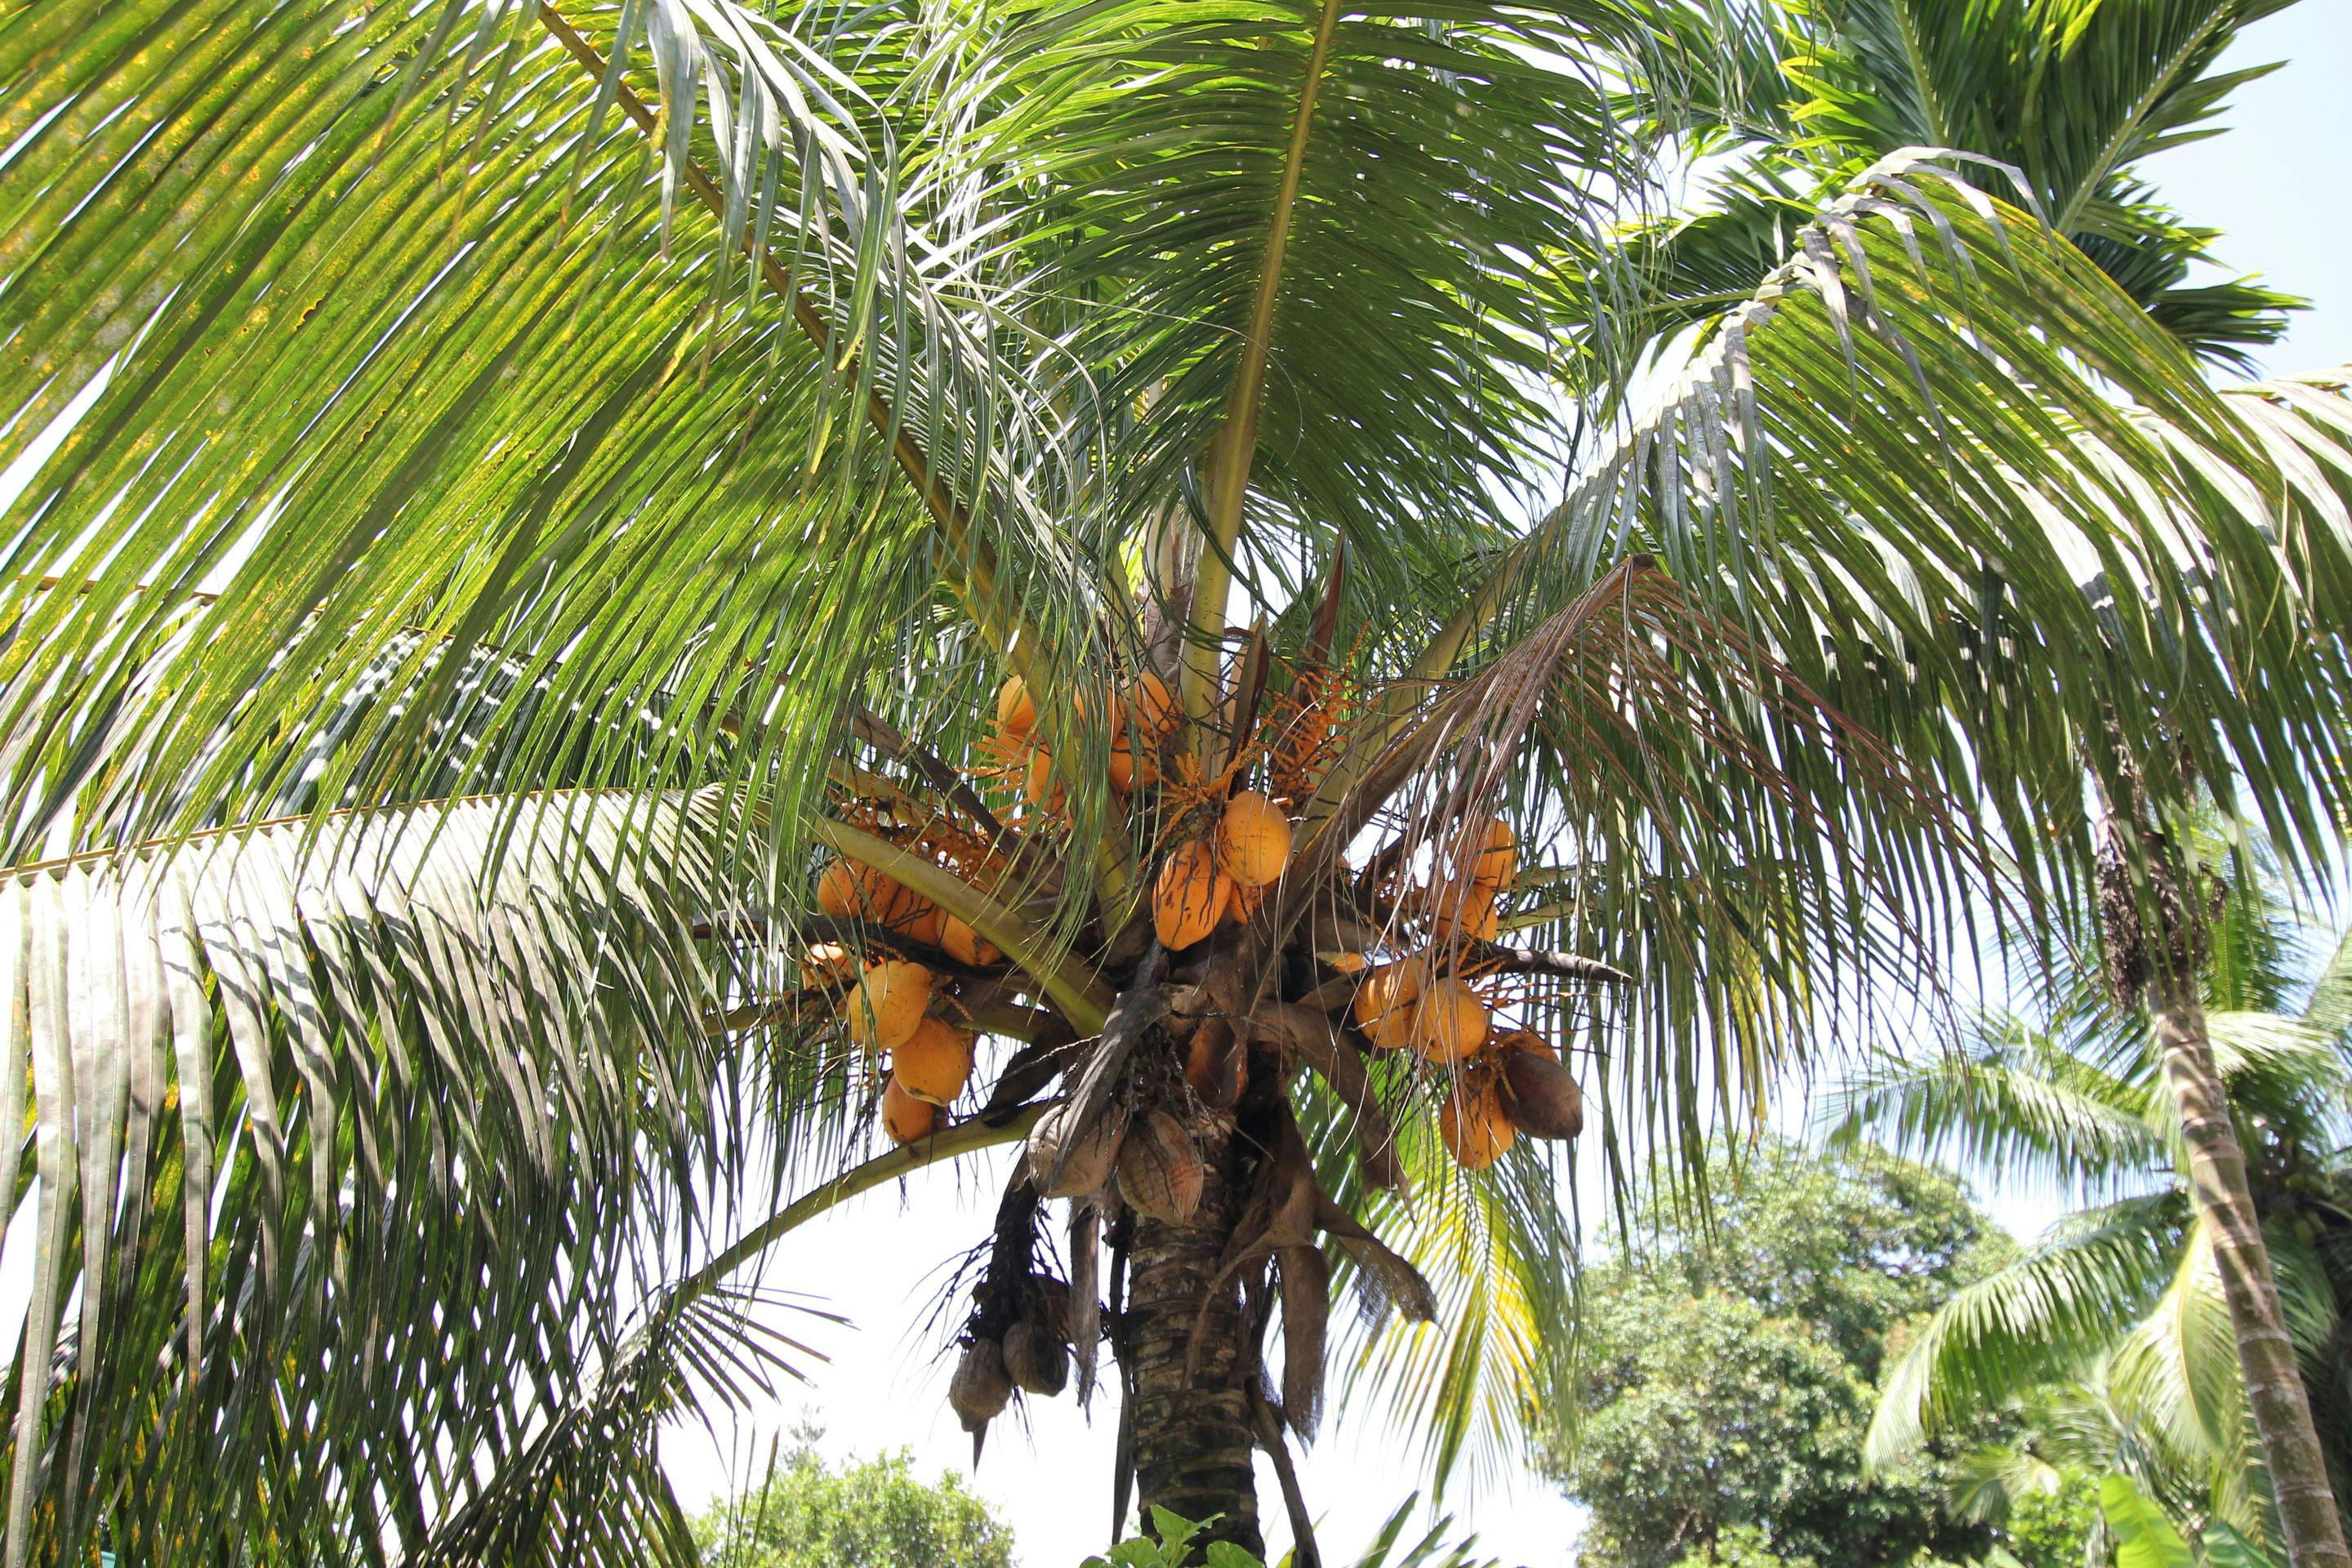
{"x": 345, "y": 1150}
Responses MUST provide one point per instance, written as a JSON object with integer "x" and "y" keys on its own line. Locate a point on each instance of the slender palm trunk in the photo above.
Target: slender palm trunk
{"x": 2275, "y": 1391}
{"x": 1192, "y": 1445}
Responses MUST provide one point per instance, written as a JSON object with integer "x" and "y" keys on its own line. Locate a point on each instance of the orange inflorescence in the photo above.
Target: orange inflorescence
{"x": 1303, "y": 730}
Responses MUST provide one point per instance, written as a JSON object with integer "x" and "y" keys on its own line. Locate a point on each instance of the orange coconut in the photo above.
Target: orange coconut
{"x": 905, "y": 1119}
{"x": 1253, "y": 840}
{"x": 1390, "y": 988}
{"x": 961, "y": 942}
{"x": 1488, "y": 857}
{"x": 1449, "y": 1021}
{"x": 1242, "y": 903}
{"x": 935, "y": 1062}
{"x": 920, "y": 919}
{"x": 1129, "y": 771}
{"x": 1475, "y": 1126}
{"x": 1151, "y": 708}
{"x": 1189, "y": 896}
{"x": 888, "y": 1005}
{"x": 1015, "y": 710}
{"x": 1472, "y": 916}
{"x": 1391, "y": 1031}
{"x": 839, "y": 891}
{"x": 1038, "y": 785}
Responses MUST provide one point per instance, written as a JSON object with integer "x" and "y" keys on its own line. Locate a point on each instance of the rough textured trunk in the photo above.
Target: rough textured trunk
{"x": 2282, "y": 1410}
{"x": 1193, "y": 1446}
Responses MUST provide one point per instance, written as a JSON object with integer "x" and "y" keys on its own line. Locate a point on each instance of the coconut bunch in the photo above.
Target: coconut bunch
{"x": 1140, "y": 714}
{"x": 1017, "y": 1336}
{"x": 900, "y": 1012}
{"x": 1500, "y": 1082}
{"x": 1230, "y": 959}
{"x": 1219, "y": 869}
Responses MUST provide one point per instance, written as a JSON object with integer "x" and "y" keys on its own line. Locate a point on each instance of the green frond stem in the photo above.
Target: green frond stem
{"x": 1237, "y": 439}
{"x": 1081, "y": 994}
{"x": 966, "y": 1137}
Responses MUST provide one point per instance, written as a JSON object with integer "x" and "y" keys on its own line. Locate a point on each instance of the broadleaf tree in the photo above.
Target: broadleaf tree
{"x": 530, "y": 510}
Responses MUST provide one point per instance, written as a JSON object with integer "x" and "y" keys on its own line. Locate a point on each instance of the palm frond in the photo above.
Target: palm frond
{"x": 2015, "y": 1103}
{"x": 2034, "y": 1322}
{"x": 496, "y": 376}
{"x": 1967, "y": 594}
{"x": 1486, "y": 1384}
{"x": 348, "y": 1134}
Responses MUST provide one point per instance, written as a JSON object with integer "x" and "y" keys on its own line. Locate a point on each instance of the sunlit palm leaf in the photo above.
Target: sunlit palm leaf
{"x": 335, "y": 1136}
{"x": 2036, "y": 1321}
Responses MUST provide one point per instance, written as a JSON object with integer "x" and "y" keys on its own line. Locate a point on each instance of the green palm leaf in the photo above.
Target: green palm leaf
{"x": 2029, "y": 1323}
{"x": 276, "y": 1267}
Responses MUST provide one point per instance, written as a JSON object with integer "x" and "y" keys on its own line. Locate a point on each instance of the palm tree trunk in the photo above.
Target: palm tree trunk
{"x": 1192, "y": 1451}
{"x": 2275, "y": 1391}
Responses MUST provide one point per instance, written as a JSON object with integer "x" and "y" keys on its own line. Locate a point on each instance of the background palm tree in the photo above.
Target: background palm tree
{"x": 2063, "y": 97}
{"x": 2116, "y": 1319}
{"x": 521, "y": 480}
{"x": 1775, "y": 101}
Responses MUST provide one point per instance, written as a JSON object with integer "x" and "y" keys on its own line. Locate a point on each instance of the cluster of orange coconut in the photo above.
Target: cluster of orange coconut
{"x": 888, "y": 1008}
{"x": 1505, "y": 1081}
{"x": 1230, "y": 848}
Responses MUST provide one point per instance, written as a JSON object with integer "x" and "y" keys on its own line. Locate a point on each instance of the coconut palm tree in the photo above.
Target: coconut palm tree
{"x": 2069, "y": 96}
{"x": 2117, "y": 1315}
{"x": 580, "y": 571}
{"x": 1783, "y": 99}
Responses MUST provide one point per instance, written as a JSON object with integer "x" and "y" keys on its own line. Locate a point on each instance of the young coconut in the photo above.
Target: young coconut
{"x": 918, "y": 919}
{"x": 1540, "y": 1093}
{"x": 1130, "y": 771}
{"x": 1091, "y": 1159}
{"x": 1449, "y": 1021}
{"x": 1489, "y": 858}
{"x": 935, "y": 1062}
{"x": 1151, "y": 708}
{"x": 1015, "y": 710}
{"x": 1242, "y": 903}
{"x": 1383, "y": 1005}
{"x": 1038, "y": 785}
{"x": 1035, "y": 1359}
{"x": 1473, "y": 1125}
{"x": 887, "y": 1005}
{"x": 965, "y": 946}
{"x": 980, "y": 1388}
{"x": 908, "y": 1120}
{"x": 1189, "y": 896}
{"x": 838, "y": 891}
{"x": 1253, "y": 840}
{"x": 1160, "y": 1171}
{"x": 1455, "y": 916}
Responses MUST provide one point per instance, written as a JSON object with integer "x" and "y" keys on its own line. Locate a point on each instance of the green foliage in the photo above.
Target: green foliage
{"x": 2050, "y": 1524}
{"x": 2070, "y": 96}
{"x": 1170, "y": 1545}
{"x": 1731, "y": 1368}
{"x": 1170, "y": 1539}
{"x": 875, "y": 1514}
{"x": 2112, "y": 1328}
{"x": 2144, "y": 1537}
